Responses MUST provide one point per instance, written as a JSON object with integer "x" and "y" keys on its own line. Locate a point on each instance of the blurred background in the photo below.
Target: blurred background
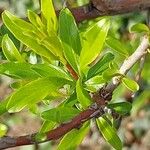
{"x": 134, "y": 129}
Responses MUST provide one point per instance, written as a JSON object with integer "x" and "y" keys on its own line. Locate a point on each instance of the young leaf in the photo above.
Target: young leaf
{"x": 10, "y": 51}
{"x": 60, "y": 114}
{"x": 69, "y": 36}
{"x": 130, "y": 84}
{"x": 35, "y": 20}
{"x": 109, "y": 133}
{"x": 101, "y": 65}
{"x": 3, "y": 130}
{"x": 72, "y": 139}
{"x": 117, "y": 46}
{"x": 51, "y": 71}
{"x": 23, "y": 31}
{"x": 34, "y": 92}
{"x": 139, "y": 27}
{"x": 48, "y": 14}
{"x": 82, "y": 95}
{"x": 18, "y": 70}
{"x": 93, "y": 41}
{"x": 121, "y": 107}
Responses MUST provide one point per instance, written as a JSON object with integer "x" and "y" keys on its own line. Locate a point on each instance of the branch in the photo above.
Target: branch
{"x": 91, "y": 112}
{"x": 98, "y": 8}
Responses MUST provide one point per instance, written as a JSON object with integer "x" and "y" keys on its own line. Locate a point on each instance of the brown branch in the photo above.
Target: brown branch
{"x": 71, "y": 71}
{"x": 7, "y": 142}
{"x": 98, "y": 8}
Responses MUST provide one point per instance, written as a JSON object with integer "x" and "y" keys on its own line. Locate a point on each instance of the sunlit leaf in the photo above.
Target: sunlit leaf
{"x": 60, "y": 114}
{"x": 3, "y": 129}
{"x": 10, "y": 51}
{"x": 70, "y": 38}
{"x": 130, "y": 84}
{"x": 51, "y": 71}
{"x": 117, "y": 46}
{"x": 34, "y": 92}
{"x": 18, "y": 70}
{"x": 93, "y": 41}
{"x": 72, "y": 139}
{"x": 139, "y": 27}
{"x": 82, "y": 95}
{"x": 48, "y": 14}
{"x": 101, "y": 65}
{"x": 121, "y": 107}
{"x": 109, "y": 133}
{"x": 23, "y": 31}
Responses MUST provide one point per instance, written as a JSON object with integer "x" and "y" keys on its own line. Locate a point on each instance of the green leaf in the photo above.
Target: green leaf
{"x": 60, "y": 114}
{"x": 68, "y": 31}
{"x": 117, "y": 46}
{"x": 95, "y": 83}
{"x": 130, "y": 84}
{"x": 109, "y": 133}
{"x": 139, "y": 27}
{"x": 82, "y": 95}
{"x": 18, "y": 70}
{"x": 23, "y": 31}
{"x": 101, "y": 65}
{"x": 70, "y": 38}
{"x": 35, "y": 20}
{"x": 121, "y": 107}
{"x": 51, "y": 71}
{"x": 48, "y": 14}
{"x": 10, "y": 51}
{"x": 72, "y": 139}
{"x": 34, "y": 92}
{"x": 3, "y": 130}
{"x": 3, "y": 105}
{"x": 93, "y": 41}
{"x": 47, "y": 126}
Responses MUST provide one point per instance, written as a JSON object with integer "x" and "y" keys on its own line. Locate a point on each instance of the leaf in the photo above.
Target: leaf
{"x": 3, "y": 105}
{"x": 35, "y": 20}
{"x": 72, "y": 139}
{"x": 82, "y": 95}
{"x": 130, "y": 84}
{"x": 109, "y": 133}
{"x": 18, "y": 70}
{"x": 70, "y": 38}
{"x": 93, "y": 42}
{"x": 117, "y": 46}
{"x": 3, "y": 130}
{"x": 60, "y": 114}
{"x": 68, "y": 31}
{"x": 23, "y": 31}
{"x": 48, "y": 14}
{"x": 47, "y": 126}
{"x": 139, "y": 27}
{"x": 95, "y": 83}
{"x": 34, "y": 92}
{"x": 101, "y": 65}
{"x": 10, "y": 51}
{"x": 121, "y": 107}
{"x": 51, "y": 71}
